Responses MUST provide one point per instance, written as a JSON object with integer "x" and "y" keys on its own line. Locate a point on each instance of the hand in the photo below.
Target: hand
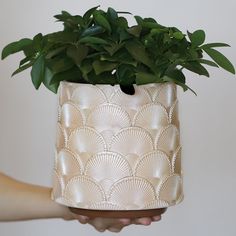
{"x": 22, "y": 201}
{"x": 101, "y": 224}
{"x": 114, "y": 224}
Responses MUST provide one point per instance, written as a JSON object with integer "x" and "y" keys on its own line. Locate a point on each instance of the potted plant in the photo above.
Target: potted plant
{"x": 118, "y": 148}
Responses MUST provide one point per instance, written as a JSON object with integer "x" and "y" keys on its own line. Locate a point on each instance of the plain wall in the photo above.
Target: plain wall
{"x": 208, "y": 121}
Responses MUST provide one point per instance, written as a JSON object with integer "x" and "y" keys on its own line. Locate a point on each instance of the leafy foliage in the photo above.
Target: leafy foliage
{"x": 101, "y": 48}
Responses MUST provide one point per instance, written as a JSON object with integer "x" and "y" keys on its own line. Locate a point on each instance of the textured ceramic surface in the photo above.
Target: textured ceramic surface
{"x": 115, "y": 151}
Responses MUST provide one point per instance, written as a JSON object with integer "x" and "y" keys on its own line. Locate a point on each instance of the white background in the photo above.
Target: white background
{"x": 208, "y": 121}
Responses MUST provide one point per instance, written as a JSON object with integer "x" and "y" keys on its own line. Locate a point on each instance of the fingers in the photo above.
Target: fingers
{"x": 99, "y": 229}
{"x": 115, "y": 225}
{"x": 125, "y": 221}
{"x": 101, "y": 224}
{"x": 115, "y": 230}
{"x": 111, "y": 224}
{"x": 82, "y": 219}
{"x": 142, "y": 221}
{"x": 146, "y": 220}
{"x": 156, "y": 218}
{"x": 121, "y": 223}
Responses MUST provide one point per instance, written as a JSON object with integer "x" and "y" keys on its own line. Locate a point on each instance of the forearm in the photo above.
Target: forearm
{"x": 21, "y": 201}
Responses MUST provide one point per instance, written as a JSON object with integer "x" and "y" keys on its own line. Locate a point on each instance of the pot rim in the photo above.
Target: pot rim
{"x": 135, "y": 85}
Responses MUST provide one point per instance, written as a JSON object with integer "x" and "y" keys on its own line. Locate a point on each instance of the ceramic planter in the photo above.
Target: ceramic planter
{"x": 117, "y": 152}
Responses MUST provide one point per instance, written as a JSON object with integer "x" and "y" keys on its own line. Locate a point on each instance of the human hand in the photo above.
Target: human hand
{"x": 111, "y": 224}
{"x": 22, "y": 201}
{"x": 114, "y": 224}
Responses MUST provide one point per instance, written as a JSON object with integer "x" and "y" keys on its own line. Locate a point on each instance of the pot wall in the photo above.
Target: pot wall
{"x": 116, "y": 151}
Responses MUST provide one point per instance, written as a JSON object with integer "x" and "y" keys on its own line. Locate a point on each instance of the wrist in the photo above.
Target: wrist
{"x": 61, "y": 211}
{"x": 65, "y": 213}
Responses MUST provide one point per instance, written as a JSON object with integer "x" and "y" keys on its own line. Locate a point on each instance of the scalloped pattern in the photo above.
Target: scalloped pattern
{"x": 115, "y": 151}
{"x": 70, "y": 116}
{"x": 153, "y": 166}
{"x": 137, "y": 191}
{"x": 68, "y": 164}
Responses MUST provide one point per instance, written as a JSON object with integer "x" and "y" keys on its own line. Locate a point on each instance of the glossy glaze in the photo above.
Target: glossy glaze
{"x": 116, "y": 151}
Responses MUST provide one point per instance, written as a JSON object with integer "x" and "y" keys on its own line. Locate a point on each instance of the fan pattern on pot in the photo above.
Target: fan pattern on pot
{"x": 115, "y": 151}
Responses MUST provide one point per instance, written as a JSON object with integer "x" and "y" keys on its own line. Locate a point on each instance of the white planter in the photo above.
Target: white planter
{"x": 116, "y": 151}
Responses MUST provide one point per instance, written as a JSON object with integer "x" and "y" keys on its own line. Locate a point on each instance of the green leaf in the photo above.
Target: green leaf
{"x": 125, "y": 75}
{"x": 122, "y": 23}
{"x": 220, "y": 59}
{"x": 112, "y": 14}
{"x": 121, "y": 56}
{"x": 77, "y": 53}
{"x": 63, "y": 16}
{"x": 30, "y": 51}
{"x": 135, "y": 30}
{"x": 100, "y": 47}
{"x": 59, "y": 64}
{"x": 124, "y": 12}
{"x": 207, "y": 62}
{"x": 124, "y": 35}
{"x": 37, "y": 72}
{"x": 101, "y": 20}
{"x": 178, "y": 35}
{"x": 103, "y": 78}
{"x": 15, "y": 47}
{"x": 93, "y": 30}
{"x": 25, "y": 60}
{"x": 93, "y": 40}
{"x": 158, "y": 31}
{"x": 196, "y": 67}
{"x": 177, "y": 75}
{"x": 62, "y": 37}
{"x": 138, "y": 52}
{"x": 145, "y": 78}
{"x": 48, "y": 75}
{"x": 86, "y": 67}
{"x": 70, "y": 22}
{"x": 55, "y": 52}
{"x": 113, "y": 47}
{"x": 95, "y": 54}
{"x": 149, "y": 19}
{"x": 77, "y": 21}
{"x": 95, "y": 48}
{"x": 173, "y": 80}
{"x": 139, "y": 20}
{"x": 101, "y": 66}
{"x": 72, "y": 75}
{"x": 197, "y": 38}
{"x": 150, "y": 25}
{"x": 37, "y": 41}
{"x": 214, "y": 45}
{"x": 189, "y": 34}
{"x": 22, "y": 68}
{"x": 89, "y": 13}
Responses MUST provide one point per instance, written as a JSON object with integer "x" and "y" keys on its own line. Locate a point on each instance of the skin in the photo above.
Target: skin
{"x": 22, "y": 201}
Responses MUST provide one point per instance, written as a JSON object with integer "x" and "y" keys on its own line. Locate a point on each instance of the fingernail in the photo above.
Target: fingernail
{"x": 84, "y": 217}
{"x": 147, "y": 222}
{"x": 156, "y": 218}
{"x": 125, "y": 221}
